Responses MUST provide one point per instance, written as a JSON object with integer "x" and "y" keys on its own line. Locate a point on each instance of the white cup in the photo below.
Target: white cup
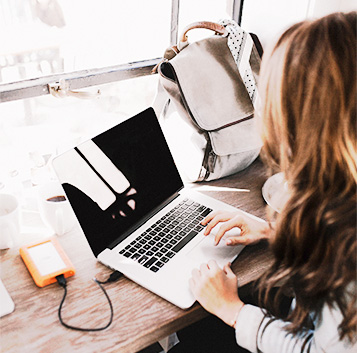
{"x": 9, "y": 221}
{"x": 56, "y": 211}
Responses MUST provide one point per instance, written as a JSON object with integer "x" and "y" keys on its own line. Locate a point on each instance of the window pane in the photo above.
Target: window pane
{"x": 34, "y": 130}
{"x": 54, "y": 36}
{"x": 202, "y": 10}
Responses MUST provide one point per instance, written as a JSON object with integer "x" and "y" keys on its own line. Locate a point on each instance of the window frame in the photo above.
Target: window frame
{"x": 30, "y": 88}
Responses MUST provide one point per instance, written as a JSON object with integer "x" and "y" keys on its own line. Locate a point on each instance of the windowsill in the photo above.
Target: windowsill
{"x": 33, "y": 131}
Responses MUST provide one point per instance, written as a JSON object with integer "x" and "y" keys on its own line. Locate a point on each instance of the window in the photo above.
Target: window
{"x": 89, "y": 45}
{"x": 110, "y": 45}
{"x": 57, "y": 36}
{"x": 61, "y": 37}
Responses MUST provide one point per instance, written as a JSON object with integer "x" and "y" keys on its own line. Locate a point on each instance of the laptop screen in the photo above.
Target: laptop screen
{"x": 117, "y": 179}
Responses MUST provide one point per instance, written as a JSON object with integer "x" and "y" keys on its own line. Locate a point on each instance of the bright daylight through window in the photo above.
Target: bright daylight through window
{"x": 48, "y": 40}
{"x": 93, "y": 45}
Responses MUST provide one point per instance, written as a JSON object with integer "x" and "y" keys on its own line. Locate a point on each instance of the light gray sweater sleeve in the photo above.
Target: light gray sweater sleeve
{"x": 253, "y": 333}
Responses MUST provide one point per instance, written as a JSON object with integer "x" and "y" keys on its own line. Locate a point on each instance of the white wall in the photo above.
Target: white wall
{"x": 269, "y": 18}
{"x": 319, "y": 8}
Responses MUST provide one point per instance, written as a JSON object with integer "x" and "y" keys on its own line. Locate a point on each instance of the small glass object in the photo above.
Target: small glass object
{"x": 275, "y": 192}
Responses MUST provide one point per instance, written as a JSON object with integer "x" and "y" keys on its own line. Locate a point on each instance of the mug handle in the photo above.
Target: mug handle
{"x": 7, "y": 233}
{"x": 60, "y": 229}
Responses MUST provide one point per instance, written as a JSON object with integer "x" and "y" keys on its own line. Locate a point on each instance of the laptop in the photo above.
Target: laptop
{"x": 136, "y": 213}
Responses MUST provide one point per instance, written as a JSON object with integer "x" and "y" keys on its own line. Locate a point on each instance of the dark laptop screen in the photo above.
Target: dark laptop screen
{"x": 135, "y": 149}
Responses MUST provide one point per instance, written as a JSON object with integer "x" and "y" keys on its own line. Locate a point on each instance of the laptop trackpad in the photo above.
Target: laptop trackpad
{"x": 222, "y": 253}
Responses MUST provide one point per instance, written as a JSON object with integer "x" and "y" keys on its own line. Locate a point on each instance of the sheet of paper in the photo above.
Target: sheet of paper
{"x": 7, "y": 306}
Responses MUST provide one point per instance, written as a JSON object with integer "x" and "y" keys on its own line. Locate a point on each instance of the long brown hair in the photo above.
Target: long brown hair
{"x": 308, "y": 89}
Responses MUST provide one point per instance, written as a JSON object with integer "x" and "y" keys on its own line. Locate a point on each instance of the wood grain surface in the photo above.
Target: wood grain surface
{"x": 140, "y": 317}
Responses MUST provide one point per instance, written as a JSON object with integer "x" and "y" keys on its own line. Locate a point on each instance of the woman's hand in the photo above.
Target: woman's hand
{"x": 217, "y": 291}
{"x": 252, "y": 231}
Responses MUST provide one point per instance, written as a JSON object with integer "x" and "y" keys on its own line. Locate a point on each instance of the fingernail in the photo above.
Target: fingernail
{"x": 228, "y": 242}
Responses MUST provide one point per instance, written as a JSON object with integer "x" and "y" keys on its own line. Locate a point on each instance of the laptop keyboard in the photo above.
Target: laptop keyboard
{"x": 163, "y": 240}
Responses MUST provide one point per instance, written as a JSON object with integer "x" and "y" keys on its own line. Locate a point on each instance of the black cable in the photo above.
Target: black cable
{"x": 63, "y": 283}
{"x": 112, "y": 278}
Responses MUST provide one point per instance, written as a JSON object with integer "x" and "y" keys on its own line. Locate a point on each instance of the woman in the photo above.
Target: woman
{"x": 308, "y": 124}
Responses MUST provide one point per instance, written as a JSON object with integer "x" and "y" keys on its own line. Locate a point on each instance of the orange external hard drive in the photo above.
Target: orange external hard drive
{"x": 45, "y": 261}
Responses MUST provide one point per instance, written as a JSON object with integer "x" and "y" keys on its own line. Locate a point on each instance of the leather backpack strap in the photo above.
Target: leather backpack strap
{"x": 212, "y": 26}
{"x": 216, "y": 27}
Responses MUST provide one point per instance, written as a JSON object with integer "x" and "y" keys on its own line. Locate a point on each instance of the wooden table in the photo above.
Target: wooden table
{"x": 140, "y": 317}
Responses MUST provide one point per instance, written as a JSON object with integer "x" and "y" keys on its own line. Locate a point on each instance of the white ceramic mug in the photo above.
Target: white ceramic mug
{"x": 56, "y": 211}
{"x": 9, "y": 221}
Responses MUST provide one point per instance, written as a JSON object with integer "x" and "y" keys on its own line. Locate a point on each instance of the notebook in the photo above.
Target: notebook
{"x": 136, "y": 213}
{"x": 7, "y": 305}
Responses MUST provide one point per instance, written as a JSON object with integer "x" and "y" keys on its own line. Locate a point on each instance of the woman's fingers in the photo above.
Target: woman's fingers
{"x": 212, "y": 265}
{"x": 228, "y": 270}
{"x": 196, "y": 274}
{"x": 214, "y": 218}
{"x": 251, "y": 230}
{"x": 216, "y": 290}
{"x": 208, "y": 218}
{"x": 240, "y": 240}
{"x": 204, "y": 269}
{"x": 213, "y": 221}
{"x": 225, "y": 227}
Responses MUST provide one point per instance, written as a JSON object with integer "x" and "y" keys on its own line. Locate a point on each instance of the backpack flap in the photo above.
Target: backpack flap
{"x": 235, "y": 138}
{"x": 205, "y": 80}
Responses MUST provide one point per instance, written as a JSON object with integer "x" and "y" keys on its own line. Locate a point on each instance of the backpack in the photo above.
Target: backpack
{"x": 205, "y": 101}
